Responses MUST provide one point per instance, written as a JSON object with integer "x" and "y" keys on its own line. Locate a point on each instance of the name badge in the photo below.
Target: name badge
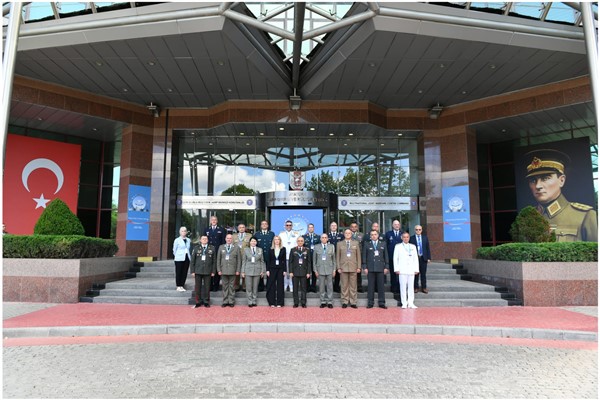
{"x": 300, "y": 261}
{"x": 240, "y": 244}
{"x": 376, "y": 253}
{"x": 289, "y": 242}
{"x": 324, "y": 257}
{"x": 203, "y": 258}
{"x": 253, "y": 259}
{"x": 348, "y": 254}
{"x": 227, "y": 257}
{"x": 276, "y": 262}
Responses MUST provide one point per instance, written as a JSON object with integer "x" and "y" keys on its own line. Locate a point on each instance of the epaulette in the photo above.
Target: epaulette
{"x": 581, "y": 207}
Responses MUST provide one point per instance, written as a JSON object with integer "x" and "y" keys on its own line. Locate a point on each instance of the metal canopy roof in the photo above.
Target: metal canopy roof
{"x": 397, "y": 55}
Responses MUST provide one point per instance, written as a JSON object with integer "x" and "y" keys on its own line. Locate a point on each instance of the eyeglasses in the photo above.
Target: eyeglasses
{"x": 418, "y": 229}
{"x": 288, "y": 224}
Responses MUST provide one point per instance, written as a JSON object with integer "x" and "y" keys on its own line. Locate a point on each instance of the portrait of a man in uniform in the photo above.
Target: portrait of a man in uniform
{"x": 546, "y": 177}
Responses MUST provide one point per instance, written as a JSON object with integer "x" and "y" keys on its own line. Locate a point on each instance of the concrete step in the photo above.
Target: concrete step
{"x": 310, "y": 302}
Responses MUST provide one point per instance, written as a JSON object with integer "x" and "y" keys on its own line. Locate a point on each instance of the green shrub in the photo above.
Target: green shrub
{"x": 58, "y": 219}
{"x": 56, "y": 246}
{"x": 538, "y": 252}
{"x": 531, "y": 227}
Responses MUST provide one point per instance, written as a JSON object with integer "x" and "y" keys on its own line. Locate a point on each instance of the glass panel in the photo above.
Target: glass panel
{"x": 484, "y": 177}
{"x": 503, "y": 223}
{"x": 562, "y": 13}
{"x": 533, "y": 9}
{"x": 484, "y": 200}
{"x": 503, "y": 175}
{"x": 71, "y": 7}
{"x": 491, "y": 5}
{"x": 88, "y": 219}
{"x": 115, "y": 198}
{"x": 89, "y": 173}
{"x": 486, "y": 227}
{"x": 107, "y": 197}
{"x": 501, "y": 152}
{"x": 36, "y": 11}
{"x": 505, "y": 199}
{"x": 108, "y": 225}
{"x": 88, "y": 197}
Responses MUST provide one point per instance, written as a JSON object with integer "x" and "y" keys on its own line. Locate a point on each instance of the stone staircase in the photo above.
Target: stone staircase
{"x": 449, "y": 286}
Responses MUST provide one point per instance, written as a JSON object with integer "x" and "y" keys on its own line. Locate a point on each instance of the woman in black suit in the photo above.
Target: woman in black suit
{"x": 275, "y": 271}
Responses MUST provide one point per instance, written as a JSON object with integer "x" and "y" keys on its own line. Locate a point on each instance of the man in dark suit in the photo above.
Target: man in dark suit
{"x": 422, "y": 244}
{"x": 334, "y": 237}
{"x": 311, "y": 239}
{"x": 216, "y": 237}
{"x": 375, "y": 265}
{"x": 264, "y": 237}
{"x": 392, "y": 238}
{"x": 300, "y": 271}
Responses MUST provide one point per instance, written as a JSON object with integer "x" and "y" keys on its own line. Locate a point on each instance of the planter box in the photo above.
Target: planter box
{"x": 545, "y": 284}
{"x": 44, "y": 280}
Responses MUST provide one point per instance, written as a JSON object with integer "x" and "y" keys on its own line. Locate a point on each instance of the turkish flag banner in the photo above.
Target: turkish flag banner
{"x": 37, "y": 171}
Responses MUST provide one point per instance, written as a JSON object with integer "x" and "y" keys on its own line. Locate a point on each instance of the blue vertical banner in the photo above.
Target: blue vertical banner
{"x": 456, "y": 214}
{"x": 138, "y": 213}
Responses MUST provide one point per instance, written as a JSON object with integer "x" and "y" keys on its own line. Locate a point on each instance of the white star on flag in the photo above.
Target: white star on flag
{"x": 41, "y": 201}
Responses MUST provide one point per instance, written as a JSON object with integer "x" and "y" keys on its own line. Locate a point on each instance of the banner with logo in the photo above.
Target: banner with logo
{"x": 138, "y": 213}
{"x": 456, "y": 214}
{"x": 37, "y": 171}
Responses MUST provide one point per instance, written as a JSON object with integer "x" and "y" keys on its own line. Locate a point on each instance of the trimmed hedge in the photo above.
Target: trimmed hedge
{"x": 58, "y": 219}
{"x": 57, "y": 246}
{"x": 540, "y": 252}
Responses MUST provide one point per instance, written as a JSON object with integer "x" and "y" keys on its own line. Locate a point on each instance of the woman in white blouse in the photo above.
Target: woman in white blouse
{"x": 181, "y": 251}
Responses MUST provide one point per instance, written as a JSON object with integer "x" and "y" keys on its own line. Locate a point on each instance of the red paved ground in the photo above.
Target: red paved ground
{"x": 88, "y": 314}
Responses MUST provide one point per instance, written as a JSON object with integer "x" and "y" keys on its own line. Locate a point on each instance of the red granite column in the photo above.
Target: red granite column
{"x": 450, "y": 159}
{"x": 136, "y": 165}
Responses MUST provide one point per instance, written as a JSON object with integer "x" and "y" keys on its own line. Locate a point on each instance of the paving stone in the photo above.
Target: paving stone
{"x": 486, "y": 331}
{"x": 401, "y": 329}
{"x": 457, "y": 330}
{"x": 263, "y": 327}
{"x": 236, "y": 328}
{"x": 181, "y": 329}
{"x": 521, "y": 333}
{"x": 429, "y": 330}
{"x": 290, "y": 327}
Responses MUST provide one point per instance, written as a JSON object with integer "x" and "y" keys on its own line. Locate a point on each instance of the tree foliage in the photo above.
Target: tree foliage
{"x": 384, "y": 180}
{"x": 531, "y": 227}
{"x": 58, "y": 219}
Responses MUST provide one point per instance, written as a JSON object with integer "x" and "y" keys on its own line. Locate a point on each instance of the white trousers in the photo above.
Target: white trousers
{"x": 407, "y": 290}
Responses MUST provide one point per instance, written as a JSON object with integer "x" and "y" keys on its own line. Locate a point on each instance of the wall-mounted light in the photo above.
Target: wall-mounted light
{"x": 435, "y": 111}
{"x": 154, "y": 109}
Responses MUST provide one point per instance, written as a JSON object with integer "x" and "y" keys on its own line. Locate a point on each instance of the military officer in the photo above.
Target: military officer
{"x": 348, "y": 263}
{"x": 375, "y": 264}
{"x": 229, "y": 266}
{"x": 300, "y": 271}
{"x": 359, "y": 237}
{"x": 334, "y": 237}
{"x": 216, "y": 237}
{"x": 546, "y": 177}
{"x": 241, "y": 240}
{"x": 203, "y": 266}
{"x": 324, "y": 268}
{"x": 265, "y": 239}
{"x": 311, "y": 239}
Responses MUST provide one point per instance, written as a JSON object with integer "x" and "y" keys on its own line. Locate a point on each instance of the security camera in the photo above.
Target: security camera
{"x": 154, "y": 110}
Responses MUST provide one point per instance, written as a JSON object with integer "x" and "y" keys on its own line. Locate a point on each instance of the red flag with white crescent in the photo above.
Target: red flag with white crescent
{"x": 36, "y": 171}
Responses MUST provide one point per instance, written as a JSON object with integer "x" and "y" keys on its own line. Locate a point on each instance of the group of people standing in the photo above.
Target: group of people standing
{"x": 327, "y": 262}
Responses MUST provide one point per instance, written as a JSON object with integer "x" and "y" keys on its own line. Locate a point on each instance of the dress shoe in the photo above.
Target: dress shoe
{"x": 329, "y": 305}
{"x": 303, "y": 305}
{"x": 322, "y": 306}
{"x": 224, "y": 305}
{"x": 279, "y": 306}
{"x": 404, "y": 306}
{"x": 353, "y": 306}
{"x": 416, "y": 290}
{"x": 197, "y": 306}
{"x": 295, "y": 305}
{"x": 383, "y": 306}
{"x": 231, "y": 305}
{"x": 370, "y": 306}
{"x": 425, "y": 290}
{"x": 249, "y": 305}
{"x": 272, "y": 305}
{"x": 360, "y": 290}
{"x": 412, "y": 306}
{"x": 206, "y": 305}
{"x": 344, "y": 305}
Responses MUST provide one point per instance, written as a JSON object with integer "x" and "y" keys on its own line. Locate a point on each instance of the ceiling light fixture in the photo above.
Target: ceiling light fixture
{"x": 435, "y": 111}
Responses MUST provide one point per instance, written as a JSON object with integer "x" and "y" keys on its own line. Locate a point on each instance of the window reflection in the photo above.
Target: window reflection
{"x": 378, "y": 163}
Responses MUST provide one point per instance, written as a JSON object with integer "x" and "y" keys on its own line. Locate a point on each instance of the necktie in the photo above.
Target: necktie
{"x": 254, "y": 251}
{"x": 203, "y": 249}
{"x": 324, "y": 247}
{"x": 375, "y": 244}
{"x": 348, "y": 245}
{"x": 419, "y": 245}
{"x": 228, "y": 248}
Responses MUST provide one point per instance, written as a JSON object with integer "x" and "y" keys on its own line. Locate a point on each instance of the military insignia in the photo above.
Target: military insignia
{"x": 581, "y": 207}
{"x": 553, "y": 208}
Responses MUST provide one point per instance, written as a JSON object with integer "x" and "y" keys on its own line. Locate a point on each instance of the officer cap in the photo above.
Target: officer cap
{"x": 546, "y": 161}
